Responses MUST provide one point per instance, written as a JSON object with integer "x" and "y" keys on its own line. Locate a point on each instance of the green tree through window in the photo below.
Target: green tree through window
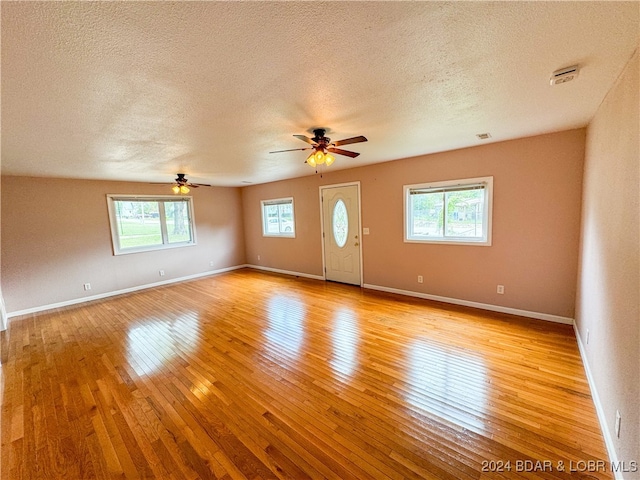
{"x": 149, "y": 223}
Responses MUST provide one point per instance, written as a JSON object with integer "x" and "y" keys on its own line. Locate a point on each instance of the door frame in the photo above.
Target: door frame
{"x": 322, "y": 232}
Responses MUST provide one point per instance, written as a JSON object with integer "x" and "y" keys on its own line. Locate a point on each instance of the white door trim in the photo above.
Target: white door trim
{"x": 3, "y": 313}
{"x": 322, "y": 232}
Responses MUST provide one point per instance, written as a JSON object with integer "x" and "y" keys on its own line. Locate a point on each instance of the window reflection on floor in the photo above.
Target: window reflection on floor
{"x": 345, "y": 336}
{"x": 285, "y": 332}
{"x": 155, "y": 343}
{"x": 450, "y": 384}
{"x": 202, "y": 388}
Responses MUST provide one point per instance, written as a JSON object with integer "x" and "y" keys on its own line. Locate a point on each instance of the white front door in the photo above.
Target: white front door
{"x": 341, "y": 221}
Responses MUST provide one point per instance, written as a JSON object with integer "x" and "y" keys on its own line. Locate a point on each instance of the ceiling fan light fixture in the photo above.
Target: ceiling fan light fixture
{"x": 183, "y": 186}
{"x": 323, "y": 149}
{"x": 312, "y": 160}
{"x": 329, "y": 159}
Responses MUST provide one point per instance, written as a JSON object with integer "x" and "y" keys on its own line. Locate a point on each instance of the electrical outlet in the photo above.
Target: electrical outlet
{"x": 211, "y": 263}
{"x": 258, "y": 257}
{"x": 161, "y": 272}
{"x": 500, "y": 289}
{"x": 587, "y": 339}
{"x": 618, "y": 420}
{"x": 87, "y": 286}
{"x": 420, "y": 279}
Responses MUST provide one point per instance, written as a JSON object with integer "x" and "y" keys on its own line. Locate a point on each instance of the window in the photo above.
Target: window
{"x": 142, "y": 223}
{"x": 340, "y": 223}
{"x": 457, "y": 211}
{"x": 277, "y": 218}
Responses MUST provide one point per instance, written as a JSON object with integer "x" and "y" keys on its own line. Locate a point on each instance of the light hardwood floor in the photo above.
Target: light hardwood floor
{"x": 254, "y": 375}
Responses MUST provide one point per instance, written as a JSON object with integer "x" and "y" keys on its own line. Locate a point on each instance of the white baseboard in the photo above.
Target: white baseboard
{"x": 483, "y": 306}
{"x": 285, "y": 272}
{"x": 99, "y": 296}
{"x": 606, "y": 433}
{"x": 455, "y": 301}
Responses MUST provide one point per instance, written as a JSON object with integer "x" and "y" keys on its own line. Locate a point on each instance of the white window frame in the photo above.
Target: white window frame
{"x": 115, "y": 237}
{"x": 486, "y": 182}
{"x": 278, "y": 201}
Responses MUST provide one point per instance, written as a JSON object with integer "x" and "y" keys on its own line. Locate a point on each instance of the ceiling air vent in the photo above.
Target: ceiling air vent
{"x": 483, "y": 136}
{"x": 564, "y": 75}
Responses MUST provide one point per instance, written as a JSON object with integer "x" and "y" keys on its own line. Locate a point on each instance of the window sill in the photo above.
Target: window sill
{"x": 155, "y": 248}
{"x": 479, "y": 243}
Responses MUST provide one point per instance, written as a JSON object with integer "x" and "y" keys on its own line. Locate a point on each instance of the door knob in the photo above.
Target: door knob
{"x": 356, "y": 244}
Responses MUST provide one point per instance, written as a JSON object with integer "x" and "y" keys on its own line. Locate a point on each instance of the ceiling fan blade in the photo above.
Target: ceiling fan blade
{"x": 339, "y": 151}
{"x": 292, "y": 150}
{"x": 347, "y": 141}
{"x": 305, "y": 139}
{"x": 196, "y": 185}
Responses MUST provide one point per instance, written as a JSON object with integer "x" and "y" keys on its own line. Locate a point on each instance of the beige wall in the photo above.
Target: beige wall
{"x": 536, "y": 222}
{"x": 56, "y": 237}
{"x": 55, "y": 229}
{"x": 3, "y": 311}
{"x": 609, "y": 276}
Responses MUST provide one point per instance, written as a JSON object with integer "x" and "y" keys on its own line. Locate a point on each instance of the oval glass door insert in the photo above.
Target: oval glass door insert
{"x": 340, "y": 223}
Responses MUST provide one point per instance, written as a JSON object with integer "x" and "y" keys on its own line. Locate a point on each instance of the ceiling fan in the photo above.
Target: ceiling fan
{"x": 323, "y": 147}
{"x": 182, "y": 185}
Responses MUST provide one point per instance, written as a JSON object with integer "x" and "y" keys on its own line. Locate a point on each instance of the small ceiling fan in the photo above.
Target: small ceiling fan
{"x": 182, "y": 185}
{"x": 323, "y": 147}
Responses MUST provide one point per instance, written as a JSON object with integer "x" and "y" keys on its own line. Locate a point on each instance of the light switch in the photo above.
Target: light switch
{"x": 365, "y": 231}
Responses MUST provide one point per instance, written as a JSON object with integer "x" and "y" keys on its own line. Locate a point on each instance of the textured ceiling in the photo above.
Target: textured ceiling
{"x": 139, "y": 91}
